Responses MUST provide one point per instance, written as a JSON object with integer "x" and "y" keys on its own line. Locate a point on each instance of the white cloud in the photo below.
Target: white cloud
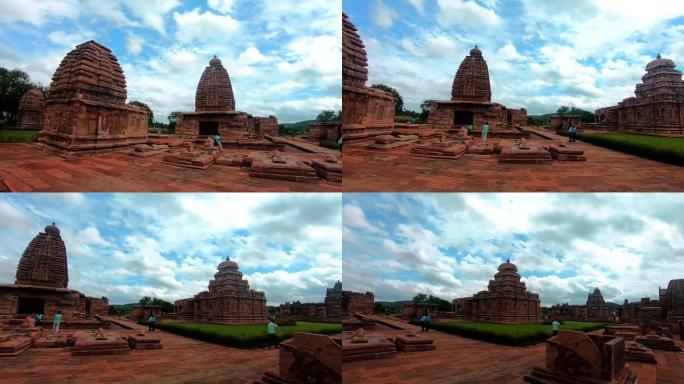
{"x": 466, "y": 13}
{"x": 223, "y": 6}
{"x": 204, "y": 26}
{"x": 383, "y": 15}
{"x": 40, "y": 12}
{"x": 134, "y": 44}
{"x": 354, "y": 217}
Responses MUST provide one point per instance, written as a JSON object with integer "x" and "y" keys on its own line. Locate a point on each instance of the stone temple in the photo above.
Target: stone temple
{"x": 365, "y": 111}
{"x": 595, "y": 309}
{"x": 506, "y": 300}
{"x": 31, "y": 110}
{"x": 658, "y": 105}
{"x": 41, "y": 285}
{"x": 86, "y": 108}
{"x": 471, "y": 102}
{"x": 228, "y": 300}
{"x": 215, "y": 111}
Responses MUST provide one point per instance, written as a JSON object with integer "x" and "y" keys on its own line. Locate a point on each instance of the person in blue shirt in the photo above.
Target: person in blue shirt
{"x": 152, "y": 323}
{"x": 555, "y": 325}
{"x": 425, "y": 322}
{"x": 272, "y": 337}
{"x": 39, "y": 319}
{"x": 572, "y": 133}
{"x": 56, "y": 322}
{"x": 217, "y": 141}
{"x": 485, "y": 131}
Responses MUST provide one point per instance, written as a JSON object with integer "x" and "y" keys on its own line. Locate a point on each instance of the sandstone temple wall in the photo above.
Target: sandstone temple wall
{"x": 97, "y": 306}
{"x": 442, "y": 115}
{"x": 265, "y": 126}
{"x": 231, "y": 125}
{"x": 325, "y": 130}
{"x": 31, "y": 110}
{"x": 563, "y": 122}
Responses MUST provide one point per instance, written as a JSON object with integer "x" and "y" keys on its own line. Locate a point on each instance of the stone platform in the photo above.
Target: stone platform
{"x": 438, "y": 150}
{"x": 178, "y": 362}
{"x": 638, "y": 352}
{"x": 144, "y": 341}
{"x": 488, "y": 148}
{"x": 527, "y": 153}
{"x": 420, "y": 343}
{"x": 145, "y": 150}
{"x": 658, "y": 342}
{"x": 605, "y": 170}
{"x": 197, "y": 159}
{"x": 88, "y": 344}
{"x": 375, "y": 347}
{"x": 562, "y": 152}
{"x": 329, "y": 169}
{"x": 24, "y": 168}
{"x": 282, "y": 167}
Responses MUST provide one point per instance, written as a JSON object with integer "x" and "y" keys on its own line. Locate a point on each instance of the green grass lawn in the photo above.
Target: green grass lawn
{"x": 244, "y": 336}
{"x": 14, "y": 136}
{"x": 666, "y": 149}
{"x": 511, "y": 334}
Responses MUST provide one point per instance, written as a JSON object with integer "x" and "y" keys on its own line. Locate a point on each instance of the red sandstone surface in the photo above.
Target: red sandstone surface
{"x": 25, "y": 168}
{"x": 182, "y": 360}
{"x": 604, "y": 170}
{"x": 461, "y": 360}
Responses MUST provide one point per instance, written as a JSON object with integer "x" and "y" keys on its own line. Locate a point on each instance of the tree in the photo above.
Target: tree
{"x": 150, "y": 118}
{"x": 146, "y": 300}
{"x": 564, "y": 110}
{"x": 585, "y": 116}
{"x": 420, "y": 298}
{"x": 399, "y": 106}
{"x": 173, "y": 117}
{"x": 326, "y": 115}
{"x": 13, "y": 84}
{"x": 425, "y": 109}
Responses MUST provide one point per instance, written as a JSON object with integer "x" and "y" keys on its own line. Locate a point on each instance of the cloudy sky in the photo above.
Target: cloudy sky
{"x": 125, "y": 246}
{"x": 283, "y": 57}
{"x": 450, "y": 245}
{"x": 541, "y": 54}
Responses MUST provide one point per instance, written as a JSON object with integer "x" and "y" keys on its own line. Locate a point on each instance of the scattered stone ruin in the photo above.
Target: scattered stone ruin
{"x": 325, "y": 130}
{"x": 307, "y": 358}
{"x": 414, "y": 310}
{"x": 86, "y": 108}
{"x": 41, "y": 286}
{"x": 563, "y": 122}
{"x": 658, "y": 105}
{"x": 471, "y": 103}
{"x": 580, "y": 358}
{"x": 506, "y": 300}
{"x": 31, "y": 110}
{"x": 228, "y": 300}
{"x": 366, "y": 111}
{"x": 144, "y": 311}
{"x": 215, "y": 112}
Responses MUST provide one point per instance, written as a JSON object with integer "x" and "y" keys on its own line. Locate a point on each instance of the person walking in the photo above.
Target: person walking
{"x": 425, "y": 323}
{"x": 485, "y": 131}
{"x": 56, "y": 322}
{"x": 217, "y": 141}
{"x": 572, "y": 133}
{"x": 152, "y": 323}
{"x": 555, "y": 325}
{"x": 272, "y": 337}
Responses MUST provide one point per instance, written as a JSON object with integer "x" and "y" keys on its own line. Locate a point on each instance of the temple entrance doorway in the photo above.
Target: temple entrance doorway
{"x": 463, "y": 118}
{"x": 208, "y": 128}
{"x": 30, "y": 305}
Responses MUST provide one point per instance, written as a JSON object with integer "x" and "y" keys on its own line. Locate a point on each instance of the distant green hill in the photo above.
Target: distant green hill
{"x": 540, "y": 119}
{"x": 298, "y": 126}
{"x": 392, "y": 306}
{"x": 123, "y": 308}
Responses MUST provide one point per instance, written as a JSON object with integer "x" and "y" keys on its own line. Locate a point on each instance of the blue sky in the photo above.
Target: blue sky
{"x": 565, "y": 245}
{"x": 125, "y": 246}
{"x": 541, "y": 54}
{"x": 283, "y": 57}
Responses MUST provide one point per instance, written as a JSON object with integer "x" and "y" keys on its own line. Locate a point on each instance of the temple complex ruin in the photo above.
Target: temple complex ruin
{"x": 414, "y": 310}
{"x": 338, "y": 305}
{"x": 228, "y": 300}
{"x": 325, "y": 130}
{"x": 86, "y": 108}
{"x": 215, "y": 111}
{"x": 31, "y": 110}
{"x": 41, "y": 286}
{"x": 506, "y": 300}
{"x": 657, "y": 107}
{"x": 564, "y": 122}
{"x": 366, "y": 111}
{"x": 471, "y": 102}
{"x": 595, "y": 309}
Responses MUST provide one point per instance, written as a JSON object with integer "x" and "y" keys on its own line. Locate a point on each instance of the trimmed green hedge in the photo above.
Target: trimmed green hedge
{"x": 243, "y": 336}
{"x": 17, "y": 136}
{"x": 510, "y": 334}
{"x": 665, "y": 149}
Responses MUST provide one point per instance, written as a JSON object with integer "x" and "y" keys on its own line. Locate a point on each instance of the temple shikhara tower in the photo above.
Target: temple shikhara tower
{"x": 41, "y": 285}
{"x": 658, "y": 105}
{"x": 86, "y": 108}
{"x": 31, "y": 110}
{"x": 471, "y": 102}
{"x": 365, "y": 111}
{"x": 215, "y": 111}
{"x": 506, "y": 300}
{"x": 228, "y": 300}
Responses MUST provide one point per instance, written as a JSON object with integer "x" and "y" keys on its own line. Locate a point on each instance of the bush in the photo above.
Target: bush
{"x": 18, "y": 136}
{"x": 510, "y": 334}
{"x": 665, "y": 149}
{"x": 244, "y": 336}
{"x": 332, "y": 144}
